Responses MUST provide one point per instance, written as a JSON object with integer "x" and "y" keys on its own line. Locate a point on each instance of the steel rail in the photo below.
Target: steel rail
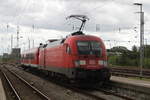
{"x": 10, "y": 84}
{"x": 77, "y": 90}
{"x": 100, "y": 90}
{"x": 93, "y": 95}
{"x": 28, "y": 84}
{"x": 87, "y": 93}
{"x": 115, "y": 94}
{"x": 129, "y": 73}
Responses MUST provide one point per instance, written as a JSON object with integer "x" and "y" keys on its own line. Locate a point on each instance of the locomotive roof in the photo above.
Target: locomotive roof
{"x": 75, "y": 35}
{"x": 84, "y": 37}
{"x": 52, "y": 40}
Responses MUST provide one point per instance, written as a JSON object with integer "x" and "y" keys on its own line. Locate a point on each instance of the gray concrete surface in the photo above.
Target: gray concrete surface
{"x": 131, "y": 81}
{"x": 137, "y": 89}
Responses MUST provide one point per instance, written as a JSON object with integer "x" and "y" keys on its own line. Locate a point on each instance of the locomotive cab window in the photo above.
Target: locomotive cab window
{"x": 89, "y": 48}
{"x": 83, "y": 47}
{"x": 96, "y": 50}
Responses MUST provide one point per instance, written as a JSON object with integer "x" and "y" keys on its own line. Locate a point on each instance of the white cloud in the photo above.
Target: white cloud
{"x": 48, "y": 17}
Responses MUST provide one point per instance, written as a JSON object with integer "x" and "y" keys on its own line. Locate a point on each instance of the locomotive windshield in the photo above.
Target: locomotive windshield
{"x": 89, "y": 48}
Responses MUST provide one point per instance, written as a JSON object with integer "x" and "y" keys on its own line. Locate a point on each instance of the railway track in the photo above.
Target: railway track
{"x": 102, "y": 94}
{"x": 22, "y": 90}
{"x": 111, "y": 92}
{"x": 94, "y": 93}
{"x": 130, "y": 72}
{"x": 98, "y": 93}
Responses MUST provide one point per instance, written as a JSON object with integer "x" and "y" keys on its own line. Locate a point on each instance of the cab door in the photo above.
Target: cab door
{"x": 67, "y": 55}
{"x": 42, "y": 57}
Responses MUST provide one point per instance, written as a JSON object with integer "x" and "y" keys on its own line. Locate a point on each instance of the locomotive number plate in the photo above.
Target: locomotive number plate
{"x": 92, "y": 62}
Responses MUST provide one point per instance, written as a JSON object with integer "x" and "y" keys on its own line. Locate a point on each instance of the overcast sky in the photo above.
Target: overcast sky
{"x": 39, "y": 20}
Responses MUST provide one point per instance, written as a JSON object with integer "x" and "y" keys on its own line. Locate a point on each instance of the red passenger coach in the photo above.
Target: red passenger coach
{"x": 30, "y": 57}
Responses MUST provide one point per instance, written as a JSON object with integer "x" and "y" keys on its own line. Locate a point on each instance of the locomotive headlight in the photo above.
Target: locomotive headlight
{"x": 82, "y": 62}
{"x": 77, "y": 63}
{"x": 101, "y": 62}
{"x": 105, "y": 63}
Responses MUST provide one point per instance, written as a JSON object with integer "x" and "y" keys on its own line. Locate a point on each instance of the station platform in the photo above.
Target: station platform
{"x": 2, "y": 93}
{"x": 136, "y": 82}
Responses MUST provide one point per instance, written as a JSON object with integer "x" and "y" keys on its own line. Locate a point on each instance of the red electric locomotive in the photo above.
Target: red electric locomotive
{"x": 78, "y": 57}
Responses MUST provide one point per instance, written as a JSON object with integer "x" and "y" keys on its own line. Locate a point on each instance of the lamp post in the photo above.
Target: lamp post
{"x": 141, "y": 37}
